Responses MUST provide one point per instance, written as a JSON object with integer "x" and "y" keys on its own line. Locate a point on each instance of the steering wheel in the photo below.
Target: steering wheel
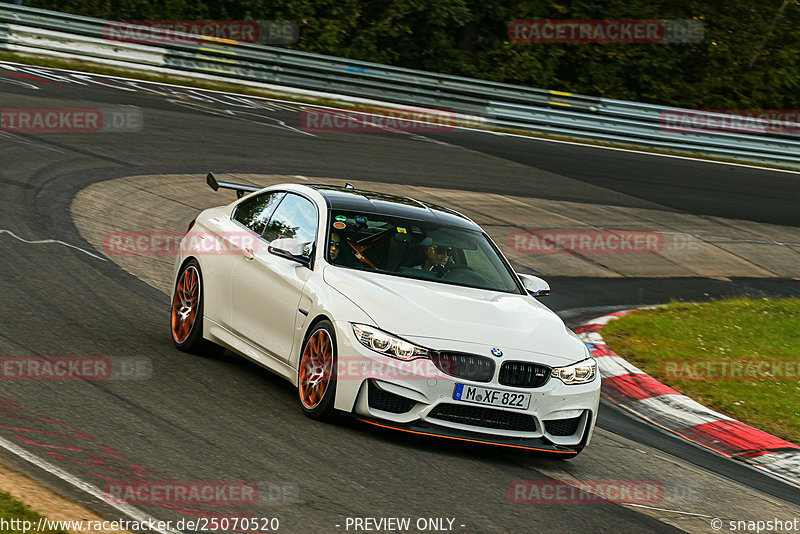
{"x": 465, "y": 275}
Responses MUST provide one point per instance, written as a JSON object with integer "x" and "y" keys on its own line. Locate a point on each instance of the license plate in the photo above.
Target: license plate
{"x": 491, "y": 397}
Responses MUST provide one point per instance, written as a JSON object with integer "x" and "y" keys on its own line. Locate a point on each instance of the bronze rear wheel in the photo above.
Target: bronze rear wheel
{"x": 186, "y": 312}
{"x": 185, "y": 304}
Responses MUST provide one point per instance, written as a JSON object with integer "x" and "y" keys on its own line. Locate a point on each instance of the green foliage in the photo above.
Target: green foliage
{"x": 738, "y": 329}
{"x": 748, "y": 59}
{"x": 16, "y": 511}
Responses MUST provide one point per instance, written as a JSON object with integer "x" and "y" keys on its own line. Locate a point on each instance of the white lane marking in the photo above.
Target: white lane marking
{"x": 665, "y": 510}
{"x": 43, "y": 73}
{"x": 300, "y": 177}
{"x": 304, "y": 104}
{"x": 45, "y": 241}
{"x": 94, "y": 491}
{"x": 14, "y": 81}
{"x": 285, "y": 107}
{"x": 91, "y": 80}
{"x": 235, "y": 114}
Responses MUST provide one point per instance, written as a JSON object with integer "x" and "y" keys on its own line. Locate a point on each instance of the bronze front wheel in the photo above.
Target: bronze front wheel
{"x": 316, "y": 379}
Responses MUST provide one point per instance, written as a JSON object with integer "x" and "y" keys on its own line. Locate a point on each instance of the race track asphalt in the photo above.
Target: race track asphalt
{"x": 225, "y": 419}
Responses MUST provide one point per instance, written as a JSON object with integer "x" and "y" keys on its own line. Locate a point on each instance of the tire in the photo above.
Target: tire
{"x": 186, "y": 312}
{"x": 316, "y": 377}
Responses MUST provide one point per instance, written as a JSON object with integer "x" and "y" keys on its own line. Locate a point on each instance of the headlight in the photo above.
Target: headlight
{"x": 577, "y": 373}
{"x": 388, "y": 344}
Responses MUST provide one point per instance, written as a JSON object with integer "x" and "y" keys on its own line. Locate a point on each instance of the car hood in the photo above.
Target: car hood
{"x": 419, "y": 309}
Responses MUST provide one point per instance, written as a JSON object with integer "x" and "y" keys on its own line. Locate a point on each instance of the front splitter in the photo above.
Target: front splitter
{"x": 530, "y": 444}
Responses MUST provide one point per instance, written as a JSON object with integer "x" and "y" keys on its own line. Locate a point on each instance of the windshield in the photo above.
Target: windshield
{"x": 417, "y": 249}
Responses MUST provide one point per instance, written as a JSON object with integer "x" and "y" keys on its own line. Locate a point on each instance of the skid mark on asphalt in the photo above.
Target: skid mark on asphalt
{"x": 25, "y": 141}
{"x": 48, "y": 241}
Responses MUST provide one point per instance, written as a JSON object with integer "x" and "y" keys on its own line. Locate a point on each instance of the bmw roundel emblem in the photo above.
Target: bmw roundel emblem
{"x": 497, "y": 352}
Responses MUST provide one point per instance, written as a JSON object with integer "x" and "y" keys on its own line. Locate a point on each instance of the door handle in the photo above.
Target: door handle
{"x": 248, "y": 253}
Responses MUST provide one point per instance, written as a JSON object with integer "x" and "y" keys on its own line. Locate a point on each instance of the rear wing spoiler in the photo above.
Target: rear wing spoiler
{"x": 240, "y": 189}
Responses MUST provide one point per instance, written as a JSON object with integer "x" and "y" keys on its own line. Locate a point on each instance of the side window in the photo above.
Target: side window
{"x": 254, "y": 212}
{"x": 296, "y": 217}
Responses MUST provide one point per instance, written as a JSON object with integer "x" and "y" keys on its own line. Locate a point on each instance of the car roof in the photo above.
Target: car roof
{"x": 351, "y": 199}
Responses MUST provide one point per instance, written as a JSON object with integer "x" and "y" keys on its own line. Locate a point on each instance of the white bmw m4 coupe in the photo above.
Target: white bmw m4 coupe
{"x": 400, "y": 313}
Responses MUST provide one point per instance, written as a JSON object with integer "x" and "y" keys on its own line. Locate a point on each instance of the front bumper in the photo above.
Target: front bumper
{"x": 417, "y": 397}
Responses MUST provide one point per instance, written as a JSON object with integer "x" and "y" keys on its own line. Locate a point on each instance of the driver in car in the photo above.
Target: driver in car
{"x": 340, "y": 253}
{"x": 335, "y": 245}
{"x": 435, "y": 259}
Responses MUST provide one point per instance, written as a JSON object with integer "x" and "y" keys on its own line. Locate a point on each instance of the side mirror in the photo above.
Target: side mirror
{"x": 535, "y": 286}
{"x": 292, "y": 249}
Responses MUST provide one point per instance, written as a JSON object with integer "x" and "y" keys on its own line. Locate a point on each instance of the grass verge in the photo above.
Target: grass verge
{"x": 690, "y": 346}
{"x": 18, "y": 512}
{"x": 253, "y": 91}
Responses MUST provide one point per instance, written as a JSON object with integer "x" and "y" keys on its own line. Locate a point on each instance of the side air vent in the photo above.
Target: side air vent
{"x": 380, "y": 399}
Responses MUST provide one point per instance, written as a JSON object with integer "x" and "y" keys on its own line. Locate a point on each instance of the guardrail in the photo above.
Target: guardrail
{"x": 61, "y": 35}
